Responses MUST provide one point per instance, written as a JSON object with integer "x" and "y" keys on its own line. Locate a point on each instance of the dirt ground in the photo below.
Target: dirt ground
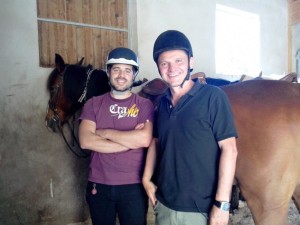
{"x": 242, "y": 216}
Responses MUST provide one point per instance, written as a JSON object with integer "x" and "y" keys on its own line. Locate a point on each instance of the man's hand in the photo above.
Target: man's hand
{"x": 140, "y": 126}
{"x": 218, "y": 216}
{"x": 150, "y": 188}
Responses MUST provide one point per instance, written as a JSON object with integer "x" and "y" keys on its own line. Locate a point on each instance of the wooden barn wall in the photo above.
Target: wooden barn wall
{"x": 81, "y": 28}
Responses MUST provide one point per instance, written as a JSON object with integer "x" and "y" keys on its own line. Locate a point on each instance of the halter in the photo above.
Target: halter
{"x": 83, "y": 96}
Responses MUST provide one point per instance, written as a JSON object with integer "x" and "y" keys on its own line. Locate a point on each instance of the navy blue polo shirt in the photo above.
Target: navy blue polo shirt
{"x": 188, "y": 152}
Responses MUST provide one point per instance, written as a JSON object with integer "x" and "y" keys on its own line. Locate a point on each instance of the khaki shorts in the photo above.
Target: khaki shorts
{"x": 166, "y": 216}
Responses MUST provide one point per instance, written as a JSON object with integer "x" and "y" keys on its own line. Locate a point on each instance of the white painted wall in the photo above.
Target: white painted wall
{"x": 19, "y": 58}
{"x": 196, "y": 18}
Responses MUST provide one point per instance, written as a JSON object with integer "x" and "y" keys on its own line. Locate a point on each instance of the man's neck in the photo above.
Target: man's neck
{"x": 120, "y": 94}
{"x": 178, "y": 92}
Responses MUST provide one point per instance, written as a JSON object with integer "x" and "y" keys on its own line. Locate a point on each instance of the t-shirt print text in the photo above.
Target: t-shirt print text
{"x": 121, "y": 112}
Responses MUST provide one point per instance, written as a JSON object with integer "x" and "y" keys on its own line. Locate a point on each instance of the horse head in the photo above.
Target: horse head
{"x": 55, "y": 112}
{"x": 70, "y": 85}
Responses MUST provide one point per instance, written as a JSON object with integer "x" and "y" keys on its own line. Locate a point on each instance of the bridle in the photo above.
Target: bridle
{"x": 82, "y": 154}
{"x": 59, "y": 123}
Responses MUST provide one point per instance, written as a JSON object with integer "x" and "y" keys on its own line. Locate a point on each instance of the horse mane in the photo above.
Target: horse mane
{"x": 75, "y": 77}
{"x": 98, "y": 84}
{"x": 74, "y": 82}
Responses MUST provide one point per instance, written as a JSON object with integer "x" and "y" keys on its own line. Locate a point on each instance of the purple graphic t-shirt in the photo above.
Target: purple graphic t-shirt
{"x": 120, "y": 114}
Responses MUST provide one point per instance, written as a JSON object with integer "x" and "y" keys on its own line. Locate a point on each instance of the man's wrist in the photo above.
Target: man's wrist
{"x": 146, "y": 179}
{"x": 223, "y": 205}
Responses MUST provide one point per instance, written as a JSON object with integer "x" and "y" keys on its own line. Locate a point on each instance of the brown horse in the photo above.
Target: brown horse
{"x": 69, "y": 87}
{"x": 267, "y": 116}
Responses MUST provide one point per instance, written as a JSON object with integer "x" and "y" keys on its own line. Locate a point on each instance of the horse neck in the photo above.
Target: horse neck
{"x": 98, "y": 84}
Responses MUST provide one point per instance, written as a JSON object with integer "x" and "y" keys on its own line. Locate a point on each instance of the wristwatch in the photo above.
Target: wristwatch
{"x": 224, "y": 206}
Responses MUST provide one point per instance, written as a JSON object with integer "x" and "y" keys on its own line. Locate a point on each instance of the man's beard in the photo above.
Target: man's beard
{"x": 120, "y": 89}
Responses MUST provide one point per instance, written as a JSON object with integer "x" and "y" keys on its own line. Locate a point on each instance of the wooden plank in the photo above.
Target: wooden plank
{"x": 52, "y": 41}
{"x": 61, "y": 39}
{"x": 41, "y": 8}
{"x": 43, "y": 44}
{"x": 52, "y": 9}
{"x": 56, "y": 9}
{"x": 86, "y": 12}
{"x": 100, "y": 12}
{"x": 71, "y": 44}
{"x": 98, "y": 48}
{"x": 95, "y": 13}
{"x": 74, "y": 11}
{"x": 88, "y": 45}
{"x": 74, "y": 42}
{"x": 79, "y": 42}
{"x": 121, "y": 14}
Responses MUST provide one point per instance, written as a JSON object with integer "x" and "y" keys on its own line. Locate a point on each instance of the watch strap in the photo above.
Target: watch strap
{"x": 223, "y": 205}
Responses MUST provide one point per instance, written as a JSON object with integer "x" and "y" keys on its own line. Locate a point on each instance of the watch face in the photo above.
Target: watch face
{"x": 225, "y": 206}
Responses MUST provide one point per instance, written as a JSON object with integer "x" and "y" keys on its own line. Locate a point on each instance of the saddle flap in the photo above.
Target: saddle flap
{"x": 155, "y": 87}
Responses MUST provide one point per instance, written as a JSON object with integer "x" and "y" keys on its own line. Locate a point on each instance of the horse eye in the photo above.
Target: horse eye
{"x": 52, "y": 89}
{"x": 52, "y": 106}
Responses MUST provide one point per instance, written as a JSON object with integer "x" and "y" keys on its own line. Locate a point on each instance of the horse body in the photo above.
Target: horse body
{"x": 267, "y": 116}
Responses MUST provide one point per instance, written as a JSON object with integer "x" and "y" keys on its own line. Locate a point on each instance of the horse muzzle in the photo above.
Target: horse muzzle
{"x": 52, "y": 124}
{"x": 52, "y": 121}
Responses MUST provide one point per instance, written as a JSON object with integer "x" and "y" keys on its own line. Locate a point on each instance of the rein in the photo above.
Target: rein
{"x": 83, "y": 154}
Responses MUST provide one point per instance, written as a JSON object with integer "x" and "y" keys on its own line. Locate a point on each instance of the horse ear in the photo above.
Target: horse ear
{"x": 59, "y": 63}
{"x": 80, "y": 62}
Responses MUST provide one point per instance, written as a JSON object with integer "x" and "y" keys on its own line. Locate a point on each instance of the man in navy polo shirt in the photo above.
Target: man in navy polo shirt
{"x": 194, "y": 150}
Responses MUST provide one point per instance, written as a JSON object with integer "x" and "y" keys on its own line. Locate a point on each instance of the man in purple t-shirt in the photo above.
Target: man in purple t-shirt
{"x": 117, "y": 128}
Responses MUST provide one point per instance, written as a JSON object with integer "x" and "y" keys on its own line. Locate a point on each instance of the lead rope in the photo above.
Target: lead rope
{"x": 84, "y": 154}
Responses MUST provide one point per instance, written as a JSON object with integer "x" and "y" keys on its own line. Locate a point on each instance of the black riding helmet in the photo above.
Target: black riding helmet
{"x": 123, "y": 56}
{"x": 171, "y": 40}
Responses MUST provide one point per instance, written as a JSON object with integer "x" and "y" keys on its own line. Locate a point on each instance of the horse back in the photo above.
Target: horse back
{"x": 267, "y": 117}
